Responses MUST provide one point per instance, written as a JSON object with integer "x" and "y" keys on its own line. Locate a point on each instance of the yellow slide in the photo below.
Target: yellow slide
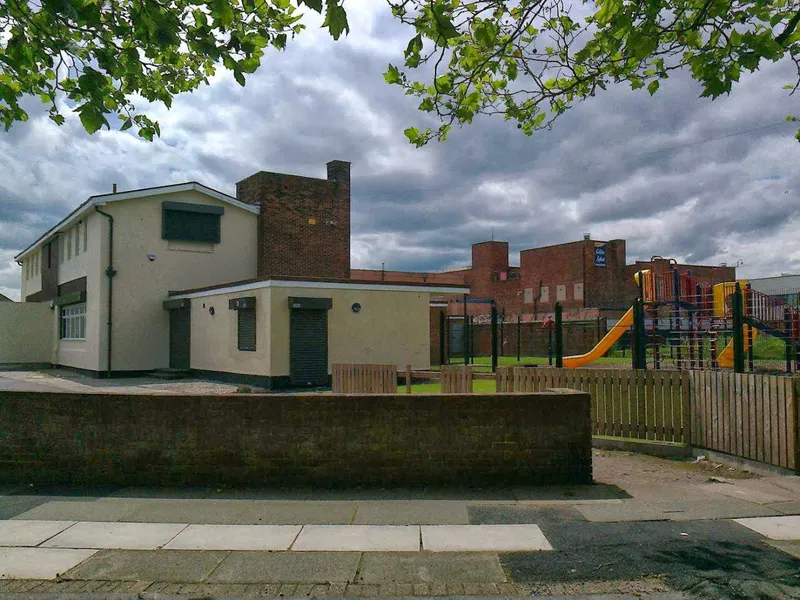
{"x": 604, "y": 345}
{"x": 725, "y": 358}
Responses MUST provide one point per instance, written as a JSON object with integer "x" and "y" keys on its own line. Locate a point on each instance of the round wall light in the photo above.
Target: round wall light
{"x": 211, "y": 310}
{"x": 356, "y": 307}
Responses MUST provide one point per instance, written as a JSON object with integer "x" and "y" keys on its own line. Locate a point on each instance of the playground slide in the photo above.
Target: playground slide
{"x": 725, "y": 358}
{"x": 604, "y": 345}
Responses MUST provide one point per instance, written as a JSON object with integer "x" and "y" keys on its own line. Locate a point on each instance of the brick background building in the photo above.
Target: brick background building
{"x": 591, "y": 279}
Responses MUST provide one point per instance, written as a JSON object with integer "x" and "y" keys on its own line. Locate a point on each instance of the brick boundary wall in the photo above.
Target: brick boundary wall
{"x": 274, "y": 440}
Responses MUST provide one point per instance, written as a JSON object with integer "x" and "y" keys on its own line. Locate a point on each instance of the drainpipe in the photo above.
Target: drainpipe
{"x": 110, "y": 272}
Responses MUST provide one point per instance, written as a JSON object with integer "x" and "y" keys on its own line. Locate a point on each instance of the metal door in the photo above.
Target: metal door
{"x": 179, "y": 338}
{"x": 455, "y": 327}
{"x": 308, "y": 347}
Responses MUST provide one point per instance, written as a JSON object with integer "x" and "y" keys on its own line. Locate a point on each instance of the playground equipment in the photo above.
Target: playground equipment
{"x": 680, "y": 321}
{"x": 604, "y": 345}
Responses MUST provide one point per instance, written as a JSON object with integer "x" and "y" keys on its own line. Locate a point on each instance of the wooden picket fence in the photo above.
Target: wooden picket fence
{"x": 746, "y": 415}
{"x": 651, "y": 405}
{"x": 755, "y": 417}
{"x": 364, "y": 379}
{"x": 456, "y": 380}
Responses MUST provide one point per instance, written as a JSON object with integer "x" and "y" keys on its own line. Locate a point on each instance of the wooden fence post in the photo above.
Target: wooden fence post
{"x": 408, "y": 379}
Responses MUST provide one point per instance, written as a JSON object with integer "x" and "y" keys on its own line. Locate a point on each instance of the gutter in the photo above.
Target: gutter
{"x": 110, "y": 272}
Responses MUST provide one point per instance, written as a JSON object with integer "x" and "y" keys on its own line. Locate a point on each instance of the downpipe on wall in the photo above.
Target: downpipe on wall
{"x": 110, "y": 272}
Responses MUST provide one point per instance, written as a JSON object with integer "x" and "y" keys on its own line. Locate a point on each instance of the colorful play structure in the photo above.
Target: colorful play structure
{"x": 681, "y": 322}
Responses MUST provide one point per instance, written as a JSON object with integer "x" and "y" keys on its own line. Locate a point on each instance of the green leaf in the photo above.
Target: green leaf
{"x": 652, "y": 87}
{"x": 91, "y": 118}
{"x": 412, "y": 133}
{"x": 392, "y": 75}
{"x": 126, "y": 125}
{"x": 336, "y": 20}
{"x": 313, "y": 4}
{"x": 237, "y": 75}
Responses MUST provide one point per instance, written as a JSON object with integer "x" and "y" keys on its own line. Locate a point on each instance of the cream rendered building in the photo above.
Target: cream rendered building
{"x": 137, "y": 281}
{"x": 71, "y": 267}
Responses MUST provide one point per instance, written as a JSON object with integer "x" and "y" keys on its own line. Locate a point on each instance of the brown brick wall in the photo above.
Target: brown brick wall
{"x": 436, "y": 313}
{"x": 578, "y": 337}
{"x": 272, "y": 440}
{"x": 449, "y": 277}
{"x": 304, "y": 225}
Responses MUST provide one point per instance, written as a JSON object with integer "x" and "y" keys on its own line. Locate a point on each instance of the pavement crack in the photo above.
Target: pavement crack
{"x": 299, "y": 531}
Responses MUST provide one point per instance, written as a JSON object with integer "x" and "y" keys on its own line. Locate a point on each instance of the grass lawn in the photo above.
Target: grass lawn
{"x": 484, "y": 363}
{"x": 479, "y": 386}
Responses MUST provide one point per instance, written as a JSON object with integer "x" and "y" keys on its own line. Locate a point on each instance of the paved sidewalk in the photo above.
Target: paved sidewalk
{"x": 648, "y": 527}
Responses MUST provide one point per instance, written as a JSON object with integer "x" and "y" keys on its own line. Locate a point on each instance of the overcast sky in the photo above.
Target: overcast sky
{"x": 674, "y": 175}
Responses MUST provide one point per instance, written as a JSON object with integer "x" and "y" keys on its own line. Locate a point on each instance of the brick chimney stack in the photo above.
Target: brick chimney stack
{"x": 304, "y": 223}
{"x": 339, "y": 172}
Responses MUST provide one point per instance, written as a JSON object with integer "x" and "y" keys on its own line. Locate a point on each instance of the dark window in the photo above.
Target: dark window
{"x": 49, "y": 255}
{"x": 191, "y": 222}
{"x": 247, "y": 329}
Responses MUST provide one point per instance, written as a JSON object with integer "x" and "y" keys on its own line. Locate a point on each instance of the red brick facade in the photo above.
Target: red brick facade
{"x": 587, "y": 276}
{"x": 304, "y": 225}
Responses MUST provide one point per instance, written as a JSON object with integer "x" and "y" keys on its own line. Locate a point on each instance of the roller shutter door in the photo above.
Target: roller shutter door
{"x": 308, "y": 347}
{"x": 179, "y": 338}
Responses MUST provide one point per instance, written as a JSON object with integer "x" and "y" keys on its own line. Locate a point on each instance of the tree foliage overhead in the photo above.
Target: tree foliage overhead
{"x": 99, "y": 53}
{"x": 529, "y": 60}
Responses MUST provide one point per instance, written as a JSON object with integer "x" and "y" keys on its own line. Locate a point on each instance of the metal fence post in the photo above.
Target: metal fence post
{"x": 559, "y": 337}
{"x": 738, "y": 331}
{"x": 494, "y": 338}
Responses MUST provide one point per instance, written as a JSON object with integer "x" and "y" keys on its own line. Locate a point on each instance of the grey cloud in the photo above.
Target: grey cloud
{"x": 622, "y": 165}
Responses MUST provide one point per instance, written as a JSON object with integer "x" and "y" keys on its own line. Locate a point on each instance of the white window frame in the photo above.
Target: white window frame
{"x": 73, "y": 322}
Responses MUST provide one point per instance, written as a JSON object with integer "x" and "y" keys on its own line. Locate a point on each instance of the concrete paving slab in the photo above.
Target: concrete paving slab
{"x": 476, "y": 538}
{"x": 463, "y": 494}
{"x": 787, "y": 482}
{"x": 173, "y": 566}
{"x": 91, "y": 510}
{"x": 235, "y": 537}
{"x": 298, "y": 513}
{"x": 472, "y": 567}
{"x": 358, "y": 538}
{"x": 412, "y": 512}
{"x": 168, "y": 493}
{"x": 498, "y": 514}
{"x": 699, "y": 506}
{"x": 791, "y": 547}
{"x": 11, "y": 506}
{"x": 287, "y": 567}
{"x": 570, "y": 493}
{"x": 775, "y": 528}
{"x": 359, "y": 494}
{"x": 222, "y": 512}
{"x": 751, "y": 490}
{"x": 126, "y": 536}
{"x": 629, "y": 510}
{"x": 30, "y": 533}
{"x": 786, "y": 508}
{"x": 39, "y": 563}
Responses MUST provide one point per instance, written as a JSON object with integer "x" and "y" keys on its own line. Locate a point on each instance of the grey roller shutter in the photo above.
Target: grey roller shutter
{"x": 308, "y": 347}
{"x": 247, "y": 329}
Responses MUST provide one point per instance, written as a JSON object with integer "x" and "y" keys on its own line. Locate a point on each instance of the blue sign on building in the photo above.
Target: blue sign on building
{"x": 600, "y": 255}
